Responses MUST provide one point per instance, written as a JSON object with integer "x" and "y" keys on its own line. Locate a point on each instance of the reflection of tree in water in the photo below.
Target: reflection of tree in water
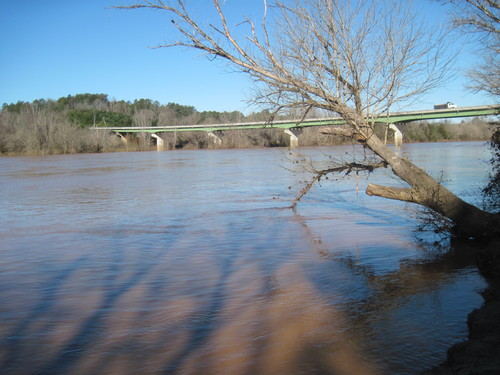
{"x": 259, "y": 308}
{"x": 377, "y": 311}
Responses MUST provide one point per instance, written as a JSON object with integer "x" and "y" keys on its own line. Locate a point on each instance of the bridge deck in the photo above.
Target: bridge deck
{"x": 393, "y": 118}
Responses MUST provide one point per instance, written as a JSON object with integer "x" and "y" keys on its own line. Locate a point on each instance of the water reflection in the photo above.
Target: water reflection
{"x": 204, "y": 272}
{"x": 230, "y": 307}
{"x": 235, "y": 310}
{"x": 410, "y": 301}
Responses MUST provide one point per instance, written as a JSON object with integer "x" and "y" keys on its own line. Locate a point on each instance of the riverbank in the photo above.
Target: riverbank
{"x": 480, "y": 353}
{"x": 135, "y": 147}
{"x": 29, "y": 137}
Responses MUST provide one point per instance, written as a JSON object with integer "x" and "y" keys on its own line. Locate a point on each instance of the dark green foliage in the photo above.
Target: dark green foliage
{"x": 492, "y": 190}
{"x": 81, "y": 100}
{"x": 89, "y": 117}
{"x": 214, "y": 117}
{"x": 141, "y": 104}
{"x": 432, "y": 133}
{"x": 425, "y": 131}
{"x": 16, "y": 108}
{"x": 443, "y": 133}
{"x": 181, "y": 110}
{"x": 209, "y": 116}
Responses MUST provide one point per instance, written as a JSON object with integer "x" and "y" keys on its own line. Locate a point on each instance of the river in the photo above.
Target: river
{"x": 191, "y": 262}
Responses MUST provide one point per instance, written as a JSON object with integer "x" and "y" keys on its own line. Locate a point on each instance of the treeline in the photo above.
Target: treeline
{"x": 62, "y": 126}
{"x": 47, "y": 126}
{"x": 86, "y": 110}
{"x": 474, "y": 129}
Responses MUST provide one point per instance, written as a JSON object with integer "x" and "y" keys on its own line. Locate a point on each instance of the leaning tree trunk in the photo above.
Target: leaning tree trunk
{"x": 469, "y": 220}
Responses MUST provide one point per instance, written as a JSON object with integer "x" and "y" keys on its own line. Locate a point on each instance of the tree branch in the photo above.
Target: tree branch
{"x": 343, "y": 132}
{"x": 353, "y": 58}
{"x": 347, "y": 168}
{"x": 400, "y": 194}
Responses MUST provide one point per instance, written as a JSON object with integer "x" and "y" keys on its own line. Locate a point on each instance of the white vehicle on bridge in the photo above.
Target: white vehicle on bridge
{"x": 445, "y": 106}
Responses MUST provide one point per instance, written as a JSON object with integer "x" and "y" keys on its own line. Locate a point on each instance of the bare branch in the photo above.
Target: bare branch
{"x": 355, "y": 58}
{"x": 352, "y": 58}
{"x": 343, "y": 132}
{"x": 400, "y": 194}
{"x": 347, "y": 168}
{"x": 482, "y": 19}
{"x": 477, "y": 16}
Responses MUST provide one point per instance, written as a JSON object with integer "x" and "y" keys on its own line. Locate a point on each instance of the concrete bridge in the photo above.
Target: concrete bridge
{"x": 294, "y": 127}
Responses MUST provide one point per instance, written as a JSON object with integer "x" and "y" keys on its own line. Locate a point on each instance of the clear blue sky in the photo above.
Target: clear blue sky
{"x": 55, "y": 48}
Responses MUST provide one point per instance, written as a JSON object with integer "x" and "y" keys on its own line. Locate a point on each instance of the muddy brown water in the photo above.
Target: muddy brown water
{"x": 190, "y": 262}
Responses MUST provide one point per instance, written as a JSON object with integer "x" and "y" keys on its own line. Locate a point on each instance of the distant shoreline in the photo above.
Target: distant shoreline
{"x": 190, "y": 148}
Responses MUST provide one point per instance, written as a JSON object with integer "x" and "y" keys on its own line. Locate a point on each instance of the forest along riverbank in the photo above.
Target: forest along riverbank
{"x": 67, "y": 126}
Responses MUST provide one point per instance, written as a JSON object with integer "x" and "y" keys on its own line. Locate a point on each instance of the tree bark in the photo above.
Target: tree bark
{"x": 470, "y": 221}
{"x": 338, "y": 56}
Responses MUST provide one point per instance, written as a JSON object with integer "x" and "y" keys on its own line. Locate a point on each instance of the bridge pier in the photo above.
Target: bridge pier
{"x": 398, "y": 136}
{"x": 216, "y": 137}
{"x": 160, "y": 143}
{"x": 122, "y": 138}
{"x": 294, "y": 136}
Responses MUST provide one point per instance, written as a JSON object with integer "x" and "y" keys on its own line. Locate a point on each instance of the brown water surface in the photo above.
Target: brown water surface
{"x": 190, "y": 262}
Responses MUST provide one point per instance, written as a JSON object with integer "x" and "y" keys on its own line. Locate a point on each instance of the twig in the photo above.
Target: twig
{"x": 349, "y": 167}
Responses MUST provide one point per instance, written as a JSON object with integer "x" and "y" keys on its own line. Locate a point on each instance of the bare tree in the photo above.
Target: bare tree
{"x": 144, "y": 117}
{"x": 482, "y": 19}
{"x": 358, "y": 59}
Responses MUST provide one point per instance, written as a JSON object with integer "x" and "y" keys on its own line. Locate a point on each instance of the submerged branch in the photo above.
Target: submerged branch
{"x": 347, "y": 168}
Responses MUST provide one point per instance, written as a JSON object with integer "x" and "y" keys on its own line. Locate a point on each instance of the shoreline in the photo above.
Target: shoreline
{"x": 480, "y": 353}
{"x": 153, "y": 149}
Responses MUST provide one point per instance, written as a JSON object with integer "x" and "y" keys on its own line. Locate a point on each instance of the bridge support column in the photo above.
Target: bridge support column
{"x": 216, "y": 137}
{"x": 398, "y": 136}
{"x": 160, "y": 143}
{"x": 294, "y": 136}
{"x": 122, "y": 138}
